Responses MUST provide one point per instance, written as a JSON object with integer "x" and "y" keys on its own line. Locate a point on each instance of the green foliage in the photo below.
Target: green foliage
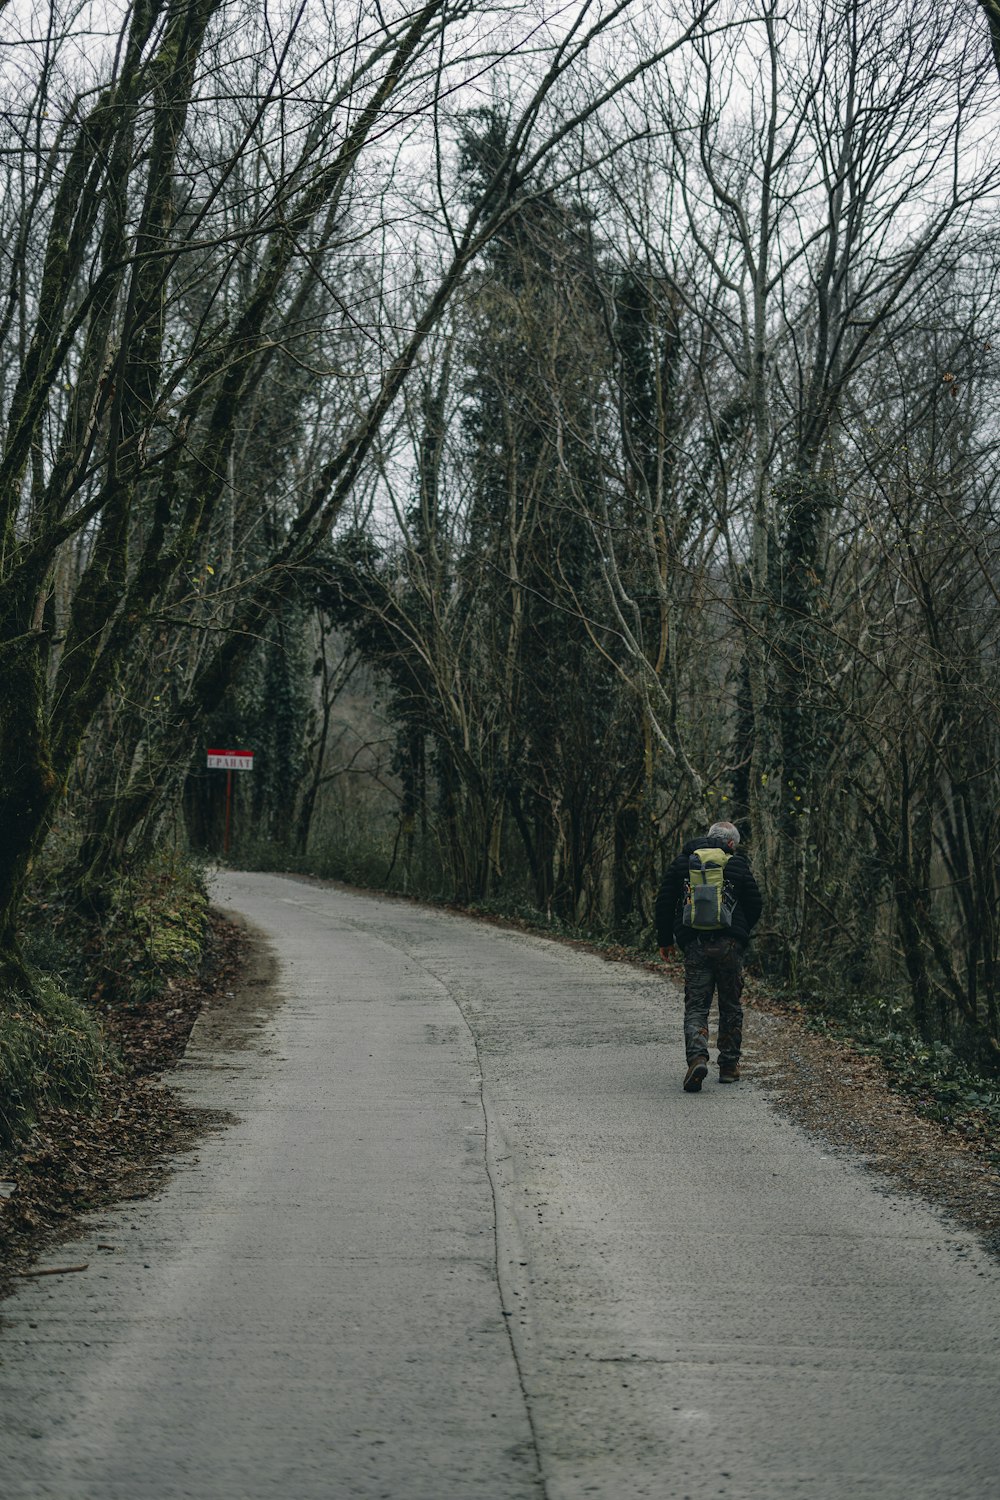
{"x": 152, "y": 930}
{"x": 156, "y": 931}
{"x": 52, "y": 1047}
{"x": 354, "y": 866}
{"x": 51, "y": 1053}
{"x": 943, "y": 1085}
{"x": 357, "y": 856}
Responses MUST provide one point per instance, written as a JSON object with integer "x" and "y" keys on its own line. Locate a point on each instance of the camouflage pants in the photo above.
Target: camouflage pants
{"x": 713, "y": 964}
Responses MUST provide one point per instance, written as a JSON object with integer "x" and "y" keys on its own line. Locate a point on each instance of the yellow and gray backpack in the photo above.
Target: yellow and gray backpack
{"x": 709, "y": 898}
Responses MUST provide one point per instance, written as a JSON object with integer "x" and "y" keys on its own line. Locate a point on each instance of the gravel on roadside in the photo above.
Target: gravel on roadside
{"x": 845, "y": 1095}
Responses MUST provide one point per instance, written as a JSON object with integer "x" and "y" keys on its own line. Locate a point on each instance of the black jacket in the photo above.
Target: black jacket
{"x": 669, "y": 928}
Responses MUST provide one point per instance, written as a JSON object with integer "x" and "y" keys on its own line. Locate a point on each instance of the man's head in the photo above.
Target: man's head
{"x": 727, "y": 832}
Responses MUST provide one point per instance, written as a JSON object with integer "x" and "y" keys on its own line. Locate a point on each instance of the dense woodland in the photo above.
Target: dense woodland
{"x": 534, "y": 435}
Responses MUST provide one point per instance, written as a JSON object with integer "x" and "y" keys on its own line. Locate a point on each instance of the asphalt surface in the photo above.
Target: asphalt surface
{"x": 467, "y": 1239}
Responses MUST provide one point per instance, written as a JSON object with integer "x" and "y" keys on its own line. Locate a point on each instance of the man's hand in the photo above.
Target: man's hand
{"x": 666, "y": 952}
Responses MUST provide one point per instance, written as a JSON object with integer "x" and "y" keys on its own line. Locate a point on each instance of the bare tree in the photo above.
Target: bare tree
{"x": 193, "y": 204}
{"x": 826, "y": 187}
{"x": 992, "y": 10}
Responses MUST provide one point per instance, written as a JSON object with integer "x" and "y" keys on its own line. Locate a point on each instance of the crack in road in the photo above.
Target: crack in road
{"x": 507, "y": 1310}
{"x": 490, "y": 1163}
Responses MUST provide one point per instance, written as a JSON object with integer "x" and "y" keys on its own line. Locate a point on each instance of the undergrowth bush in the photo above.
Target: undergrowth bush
{"x": 360, "y": 863}
{"x": 51, "y": 1052}
{"x": 933, "y": 1074}
{"x": 52, "y": 1046}
{"x": 945, "y": 1085}
{"x": 155, "y": 931}
{"x": 152, "y": 929}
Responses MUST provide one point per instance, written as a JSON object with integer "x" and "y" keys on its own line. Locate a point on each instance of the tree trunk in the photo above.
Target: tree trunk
{"x": 28, "y": 793}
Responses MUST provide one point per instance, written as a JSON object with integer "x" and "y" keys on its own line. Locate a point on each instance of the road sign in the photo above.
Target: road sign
{"x": 230, "y": 760}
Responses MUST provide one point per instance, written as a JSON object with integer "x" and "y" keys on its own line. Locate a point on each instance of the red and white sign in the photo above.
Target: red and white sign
{"x": 230, "y": 760}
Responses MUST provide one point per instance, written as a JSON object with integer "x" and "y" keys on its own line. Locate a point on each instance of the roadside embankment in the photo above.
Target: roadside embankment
{"x": 84, "y": 1118}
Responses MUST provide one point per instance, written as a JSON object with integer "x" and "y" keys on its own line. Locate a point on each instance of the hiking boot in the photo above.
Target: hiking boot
{"x": 697, "y": 1069}
{"x": 729, "y": 1072}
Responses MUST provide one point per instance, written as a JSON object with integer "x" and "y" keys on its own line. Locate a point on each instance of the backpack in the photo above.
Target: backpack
{"x": 709, "y": 898}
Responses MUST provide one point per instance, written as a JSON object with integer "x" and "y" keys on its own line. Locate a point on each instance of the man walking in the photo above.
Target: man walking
{"x": 708, "y": 903}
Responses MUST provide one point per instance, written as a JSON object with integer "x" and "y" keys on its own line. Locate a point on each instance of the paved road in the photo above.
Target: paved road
{"x": 468, "y": 1240}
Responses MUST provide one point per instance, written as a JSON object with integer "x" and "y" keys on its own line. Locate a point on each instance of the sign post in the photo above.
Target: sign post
{"x": 229, "y": 761}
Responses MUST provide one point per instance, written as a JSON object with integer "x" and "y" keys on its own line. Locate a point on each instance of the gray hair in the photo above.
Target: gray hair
{"x": 727, "y": 832}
